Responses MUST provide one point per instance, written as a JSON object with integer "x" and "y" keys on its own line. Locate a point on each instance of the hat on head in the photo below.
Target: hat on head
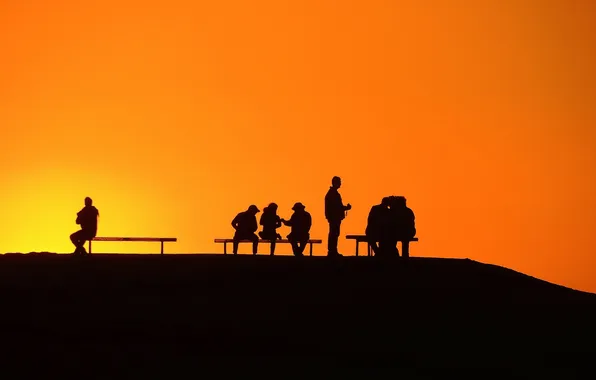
{"x": 298, "y": 206}
{"x": 253, "y": 208}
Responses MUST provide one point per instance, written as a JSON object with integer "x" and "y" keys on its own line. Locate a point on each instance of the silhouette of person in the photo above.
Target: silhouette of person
{"x": 300, "y": 222}
{"x": 377, "y": 228}
{"x": 270, "y": 222}
{"x": 245, "y": 224}
{"x": 335, "y": 212}
{"x": 87, "y": 219}
{"x": 404, "y": 224}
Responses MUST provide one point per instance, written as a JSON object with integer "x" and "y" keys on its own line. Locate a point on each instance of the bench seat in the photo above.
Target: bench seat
{"x": 364, "y": 239}
{"x": 279, "y": 241}
{"x": 141, "y": 239}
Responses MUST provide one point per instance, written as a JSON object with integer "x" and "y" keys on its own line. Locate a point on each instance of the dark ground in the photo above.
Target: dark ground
{"x": 151, "y": 313}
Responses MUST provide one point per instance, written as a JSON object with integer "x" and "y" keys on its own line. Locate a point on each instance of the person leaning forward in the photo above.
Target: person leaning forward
{"x": 245, "y": 224}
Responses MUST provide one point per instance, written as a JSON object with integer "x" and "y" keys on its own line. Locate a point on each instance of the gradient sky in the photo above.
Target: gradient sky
{"x": 175, "y": 115}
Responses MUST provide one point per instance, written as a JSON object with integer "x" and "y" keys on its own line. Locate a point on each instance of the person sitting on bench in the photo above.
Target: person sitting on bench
{"x": 270, "y": 222}
{"x": 403, "y": 225}
{"x": 300, "y": 221}
{"x": 377, "y": 228}
{"x": 245, "y": 224}
{"x": 87, "y": 219}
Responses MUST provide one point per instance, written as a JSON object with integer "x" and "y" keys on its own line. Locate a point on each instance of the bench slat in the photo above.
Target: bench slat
{"x": 314, "y": 241}
{"x": 363, "y": 237}
{"x": 134, "y": 239}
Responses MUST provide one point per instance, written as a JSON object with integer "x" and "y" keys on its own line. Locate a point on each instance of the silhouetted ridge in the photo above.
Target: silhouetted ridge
{"x": 424, "y": 312}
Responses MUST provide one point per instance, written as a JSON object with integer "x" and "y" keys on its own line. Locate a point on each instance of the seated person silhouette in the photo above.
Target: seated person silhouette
{"x": 87, "y": 219}
{"x": 300, "y": 222}
{"x": 403, "y": 225}
{"x": 270, "y": 222}
{"x": 377, "y": 227}
{"x": 245, "y": 224}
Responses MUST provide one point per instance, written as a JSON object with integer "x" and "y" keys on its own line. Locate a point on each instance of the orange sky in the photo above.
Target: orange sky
{"x": 174, "y": 116}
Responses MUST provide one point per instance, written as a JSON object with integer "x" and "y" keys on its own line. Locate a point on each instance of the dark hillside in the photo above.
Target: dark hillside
{"x": 145, "y": 311}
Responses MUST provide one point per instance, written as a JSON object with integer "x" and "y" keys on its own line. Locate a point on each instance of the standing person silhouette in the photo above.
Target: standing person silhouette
{"x": 300, "y": 222}
{"x": 245, "y": 224}
{"x": 270, "y": 222}
{"x": 87, "y": 219}
{"x": 335, "y": 212}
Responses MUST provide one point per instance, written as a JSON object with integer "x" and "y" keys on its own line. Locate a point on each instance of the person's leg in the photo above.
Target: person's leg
{"x": 302, "y": 247}
{"x": 392, "y": 248}
{"x": 78, "y": 240}
{"x": 235, "y": 243}
{"x": 295, "y": 247}
{"x": 75, "y": 239}
{"x": 272, "y": 247}
{"x": 334, "y": 231}
{"x": 405, "y": 248}
{"x": 255, "y": 244}
{"x": 372, "y": 241}
{"x": 381, "y": 248}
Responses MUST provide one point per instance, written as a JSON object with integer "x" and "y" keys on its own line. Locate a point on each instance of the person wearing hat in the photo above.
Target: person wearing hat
{"x": 87, "y": 219}
{"x": 270, "y": 222}
{"x": 300, "y": 222}
{"x": 245, "y": 224}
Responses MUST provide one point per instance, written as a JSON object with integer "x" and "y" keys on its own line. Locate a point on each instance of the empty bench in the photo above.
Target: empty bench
{"x": 144, "y": 239}
{"x": 363, "y": 239}
{"x": 280, "y": 241}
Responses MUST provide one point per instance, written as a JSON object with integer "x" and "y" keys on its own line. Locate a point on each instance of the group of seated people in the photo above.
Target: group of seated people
{"x": 245, "y": 224}
{"x": 390, "y": 222}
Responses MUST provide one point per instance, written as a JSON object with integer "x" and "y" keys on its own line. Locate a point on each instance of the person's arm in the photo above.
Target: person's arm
{"x": 346, "y": 207}
{"x": 308, "y": 221}
{"x": 288, "y": 222}
{"x": 277, "y": 222}
{"x": 235, "y": 222}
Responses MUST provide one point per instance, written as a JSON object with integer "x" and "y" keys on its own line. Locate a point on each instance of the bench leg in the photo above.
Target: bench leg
{"x": 162, "y": 247}
{"x": 357, "y": 244}
{"x": 225, "y": 248}
{"x": 89, "y": 247}
{"x": 368, "y": 248}
{"x": 311, "y": 249}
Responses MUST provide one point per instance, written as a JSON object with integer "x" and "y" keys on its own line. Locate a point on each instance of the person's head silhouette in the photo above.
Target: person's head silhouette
{"x": 386, "y": 201}
{"x": 336, "y": 182}
{"x": 253, "y": 209}
{"x": 399, "y": 201}
{"x": 88, "y": 201}
{"x": 298, "y": 207}
{"x": 272, "y": 207}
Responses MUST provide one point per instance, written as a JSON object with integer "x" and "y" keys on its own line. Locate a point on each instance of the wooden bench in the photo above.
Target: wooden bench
{"x": 161, "y": 240}
{"x": 280, "y": 241}
{"x": 363, "y": 239}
